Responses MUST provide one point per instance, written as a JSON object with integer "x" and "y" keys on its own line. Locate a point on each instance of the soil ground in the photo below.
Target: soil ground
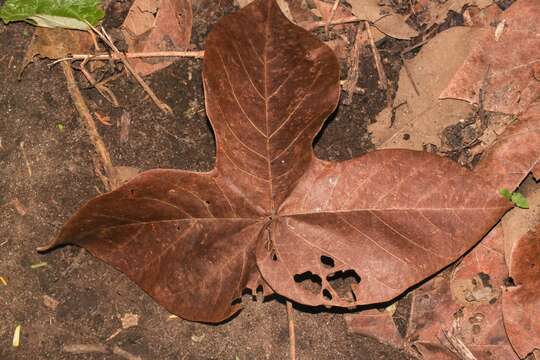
{"x": 47, "y": 165}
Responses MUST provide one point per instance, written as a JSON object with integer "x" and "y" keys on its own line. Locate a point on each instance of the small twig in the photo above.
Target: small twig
{"x": 425, "y": 38}
{"x": 90, "y": 126}
{"x": 116, "y": 56}
{"x": 332, "y": 13}
{"x": 394, "y": 109}
{"x": 352, "y": 76}
{"x": 409, "y": 75}
{"x": 318, "y": 24}
{"x": 481, "y": 98}
{"x": 458, "y": 347}
{"x": 292, "y": 336}
{"x": 107, "y": 40}
{"x": 21, "y": 145}
{"x": 123, "y": 353}
{"x": 85, "y": 348}
{"x": 101, "y": 88}
{"x": 377, "y": 58}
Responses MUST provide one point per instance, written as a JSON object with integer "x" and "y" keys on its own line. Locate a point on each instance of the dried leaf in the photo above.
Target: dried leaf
{"x": 157, "y": 25}
{"x": 436, "y": 12}
{"x": 521, "y": 303}
{"x": 502, "y": 71}
{"x": 375, "y": 324}
{"x": 383, "y": 18}
{"x": 422, "y": 117}
{"x": 57, "y": 43}
{"x": 270, "y": 213}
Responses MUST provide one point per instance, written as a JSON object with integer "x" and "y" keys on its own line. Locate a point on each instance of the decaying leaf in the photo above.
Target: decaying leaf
{"x": 57, "y": 44}
{"x": 383, "y": 18}
{"x": 464, "y": 301}
{"x": 504, "y": 72}
{"x": 157, "y": 25}
{"x": 422, "y": 116}
{"x": 521, "y": 302}
{"x": 436, "y": 12}
{"x": 270, "y": 214}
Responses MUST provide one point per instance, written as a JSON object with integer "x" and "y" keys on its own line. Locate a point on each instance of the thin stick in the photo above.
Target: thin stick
{"x": 332, "y": 13}
{"x": 28, "y": 168}
{"x": 292, "y": 336}
{"x": 85, "y": 348}
{"x": 105, "y": 37}
{"x": 90, "y": 126}
{"x": 317, "y": 24}
{"x": 409, "y": 75}
{"x": 352, "y": 75}
{"x": 383, "y": 82}
{"x": 115, "y": 56}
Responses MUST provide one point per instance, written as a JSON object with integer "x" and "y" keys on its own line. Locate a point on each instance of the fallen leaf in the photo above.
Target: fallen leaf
{"x": 157, "y": 25}
{"x": 383, "y": 18}
{"x": 422, "y": 117}
{"x": 272, "y": 215}
{"x": 375, "y": 324}
{"x": 521, "y": 302}
{"x": 465, "y": 301}
{"x": 57, "y": 44}
{"x": 436, "y": 12}
{"x": 503, "y": 71}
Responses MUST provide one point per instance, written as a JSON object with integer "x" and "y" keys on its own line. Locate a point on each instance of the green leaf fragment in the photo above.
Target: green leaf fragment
{"x": 519, "y": 200}
{"x": 505, "y": 193}
{"x": 516, "y": 198}
{"x": 70, "y": 14}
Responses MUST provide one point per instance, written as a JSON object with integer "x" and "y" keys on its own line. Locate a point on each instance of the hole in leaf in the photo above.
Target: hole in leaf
{"x": 327, "y": 261}
{"x": 342, "y": 282}
{"x": 309, "y": 281}
{"x": 207, "y": 202}
{"x": 236, "y": 301}
{"x": 274, "y": 257}
{"x": 327, "y": 294}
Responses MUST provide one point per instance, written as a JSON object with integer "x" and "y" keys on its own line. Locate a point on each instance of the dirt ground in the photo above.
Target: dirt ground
{"x": 47, "y": 172}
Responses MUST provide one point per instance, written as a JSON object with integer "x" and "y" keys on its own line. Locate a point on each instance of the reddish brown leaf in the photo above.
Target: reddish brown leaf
{"x": 521, "y": 303}
{"x": 503, "y": 70}
{"x": 374, "y": 225}
{"x": 153, "y": 25}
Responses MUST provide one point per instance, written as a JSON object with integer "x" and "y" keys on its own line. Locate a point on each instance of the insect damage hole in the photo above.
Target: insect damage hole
{"x": 343, "y": 283}
{"x": 309, "y": 281}
{"x": 327, "y": 261}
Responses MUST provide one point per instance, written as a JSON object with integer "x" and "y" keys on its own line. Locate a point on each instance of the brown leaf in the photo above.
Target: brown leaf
{"x": 422, "y": 116}
{"x": 436, "y": 12}
{"x": 464, "y": 301}
{"x": 270, "y": 213}
{"x": 503, "y": 70}
{"x": 375, "y": 324}
{"x": 57, "y": 43}
{"x": 521, "y": 303}
{"x": 383, "y": 18}
{"x": 157, "y": 25}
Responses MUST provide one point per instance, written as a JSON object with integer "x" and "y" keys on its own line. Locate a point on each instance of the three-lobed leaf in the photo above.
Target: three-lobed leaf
{"x": 270, "y": 214}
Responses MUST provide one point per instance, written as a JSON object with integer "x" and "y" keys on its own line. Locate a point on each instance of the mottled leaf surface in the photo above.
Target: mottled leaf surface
{"x": 270, "y": 214}
{"x": 504, "y": 66}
